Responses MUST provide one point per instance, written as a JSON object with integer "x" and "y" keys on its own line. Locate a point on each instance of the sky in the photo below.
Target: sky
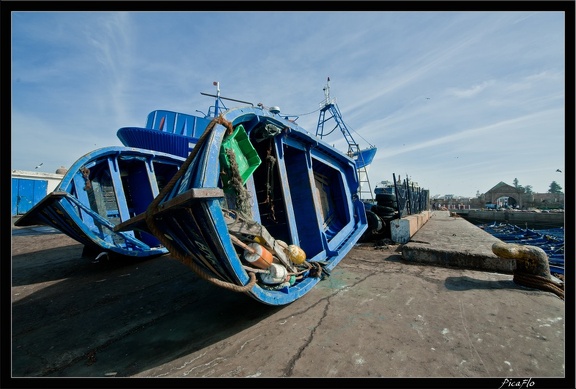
{"x": 455, "y": 101}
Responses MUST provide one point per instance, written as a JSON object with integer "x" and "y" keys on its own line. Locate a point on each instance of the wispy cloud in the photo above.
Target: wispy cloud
{"x": 458, "y": 100}
{"x": 471, "y": 91}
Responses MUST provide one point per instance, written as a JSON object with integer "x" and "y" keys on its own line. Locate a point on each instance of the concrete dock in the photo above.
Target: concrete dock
{"x": 439, "y": 306}
{"x": 449, "y": 240}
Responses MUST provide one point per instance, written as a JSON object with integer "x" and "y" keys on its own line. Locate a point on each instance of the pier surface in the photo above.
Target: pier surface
{"x": 449, "y": 240}
{"x": 385, "y": 312}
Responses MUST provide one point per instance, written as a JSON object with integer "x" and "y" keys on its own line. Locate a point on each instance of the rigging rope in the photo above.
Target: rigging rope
{"x": 303, "y": 114}
{"x": 371, "y": 145}
{"x": 331, "y": 131}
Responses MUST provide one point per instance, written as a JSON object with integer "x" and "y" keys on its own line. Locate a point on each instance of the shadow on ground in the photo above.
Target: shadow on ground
{"x": 75, "y": 318}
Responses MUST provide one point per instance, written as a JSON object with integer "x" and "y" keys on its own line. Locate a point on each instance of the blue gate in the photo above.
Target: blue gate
{"x": 27, "y": 193}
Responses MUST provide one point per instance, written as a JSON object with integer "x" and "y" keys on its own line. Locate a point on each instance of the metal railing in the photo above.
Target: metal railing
{"x": 410, "y": 199}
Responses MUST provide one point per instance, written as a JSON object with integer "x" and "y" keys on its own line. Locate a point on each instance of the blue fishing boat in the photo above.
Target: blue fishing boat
{"x": 110, "y": 185}
{"x": 166, "y": 131}
{"x": 260, "y": 206}
{"x": 101, "y": 189}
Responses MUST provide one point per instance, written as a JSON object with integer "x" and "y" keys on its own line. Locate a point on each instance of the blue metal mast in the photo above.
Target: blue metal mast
{"x": 329, "y": 106}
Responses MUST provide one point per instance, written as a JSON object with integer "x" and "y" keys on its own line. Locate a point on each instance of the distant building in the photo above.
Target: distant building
{"x": 501, "y": 195}
{"x": 508, "y": 196}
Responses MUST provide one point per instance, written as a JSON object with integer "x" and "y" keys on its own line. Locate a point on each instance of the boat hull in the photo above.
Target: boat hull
{"x": 365, "y": 157}
{"x": 101, "y": 189}
{"x": 304, "y": 194}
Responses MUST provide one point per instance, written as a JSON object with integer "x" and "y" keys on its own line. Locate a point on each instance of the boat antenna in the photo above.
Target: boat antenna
{"x": 217, "y": 85}
{"x": 219, "y": 100}
{"x": 326, "y": 90}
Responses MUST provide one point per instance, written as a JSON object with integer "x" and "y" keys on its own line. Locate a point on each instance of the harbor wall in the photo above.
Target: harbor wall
{"x": 529, "y": 219}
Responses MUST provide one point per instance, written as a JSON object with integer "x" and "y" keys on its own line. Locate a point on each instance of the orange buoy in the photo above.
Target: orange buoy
{"x": 258, "y": 256}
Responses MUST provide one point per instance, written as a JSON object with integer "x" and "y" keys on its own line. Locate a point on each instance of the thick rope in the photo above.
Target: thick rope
{"x": 153, "y": 208}
{"x": 538, "y": 282}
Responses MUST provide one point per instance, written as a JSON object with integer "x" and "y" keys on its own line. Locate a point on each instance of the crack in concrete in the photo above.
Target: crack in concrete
{"x": 301, "y": 349}
{"x": 292, "y": 363}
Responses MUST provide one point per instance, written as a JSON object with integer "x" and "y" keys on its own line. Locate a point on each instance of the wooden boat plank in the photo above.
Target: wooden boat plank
{"x": 181, "y": 201}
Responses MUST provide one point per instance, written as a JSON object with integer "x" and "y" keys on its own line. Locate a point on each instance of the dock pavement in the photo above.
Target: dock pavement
{"x": 449, "y": 240}
{"x": 388, "y": 315}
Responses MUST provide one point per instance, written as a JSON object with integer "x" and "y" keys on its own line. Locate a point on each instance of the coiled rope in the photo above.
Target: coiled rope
{"x": 538, "y": 282}
{"x": 153, "y": 208}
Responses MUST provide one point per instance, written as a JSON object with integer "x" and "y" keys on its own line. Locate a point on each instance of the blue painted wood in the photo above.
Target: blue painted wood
{"x": 15, "y": 196}
{"x": 26, "y": 193}
{"x": 177, "y": 123}
{"x": 365, "y": 157}
{"x": 120, "y": 179}
{"x": 315, "y": 201}
{"x": 40, "y": 190}
{"x": 166, "y": 131}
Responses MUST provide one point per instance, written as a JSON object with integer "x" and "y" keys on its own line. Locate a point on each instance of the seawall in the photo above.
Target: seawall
{"x": 528, "y": 219}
